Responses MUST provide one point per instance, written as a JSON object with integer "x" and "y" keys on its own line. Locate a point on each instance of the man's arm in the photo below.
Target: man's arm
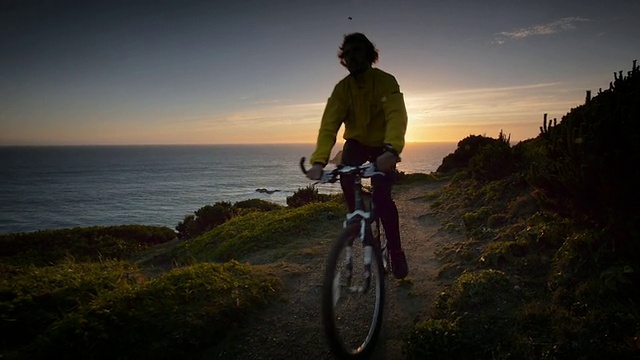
{"x": 395, "y": 112}
{"x": 332, "y": 118}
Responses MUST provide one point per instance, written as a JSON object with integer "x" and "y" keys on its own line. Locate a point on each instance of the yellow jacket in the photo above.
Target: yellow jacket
{"x": 372, "y": 109}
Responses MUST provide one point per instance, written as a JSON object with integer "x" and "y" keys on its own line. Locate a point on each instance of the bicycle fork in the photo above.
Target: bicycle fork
{"x": 365, "y": 237}
{"x": 367, "y": 259}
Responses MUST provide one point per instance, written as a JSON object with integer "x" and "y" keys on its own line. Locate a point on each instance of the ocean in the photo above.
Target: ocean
{"x": 54, "y": 187}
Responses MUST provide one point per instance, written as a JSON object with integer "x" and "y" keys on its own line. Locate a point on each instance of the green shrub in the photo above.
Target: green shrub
{"x": 404, "y": 178}
{"x": 108, "y": 310}
{"x": 477, "y": 218}
{"x": 83, "y": 244}
{"x": 257, "y": 231}
{"x": 545, "y": 232}
{"x": 433, "y": 339}
{"x": 466, "y": 149}
{"x": 306, "y": 195}
{"x": 496, "y": 220}
{"x": 499, "y": 253}
{"x": 493, "y": 161}
{"x": 590, "y": 157}
{"x": 33, "y": 299}
{"x": 472, "y": 289}
{"x": 569, "y": 240}
{"x": 246, "y": 206}
{"x": 204, "y": 219}
{"x": 210, "y": 216}
{"x": 581, "y": 254}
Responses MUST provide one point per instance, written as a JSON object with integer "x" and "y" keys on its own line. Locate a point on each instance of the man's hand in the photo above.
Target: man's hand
{"x": 386, "y": 162}
{"x": 315, "y": 172}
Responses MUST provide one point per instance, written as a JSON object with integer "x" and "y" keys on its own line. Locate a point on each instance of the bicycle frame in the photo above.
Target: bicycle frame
{"x": 360, "y": 214}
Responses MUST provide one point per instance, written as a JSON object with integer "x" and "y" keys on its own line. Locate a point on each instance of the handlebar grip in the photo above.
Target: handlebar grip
{"x": 302, "y": 160}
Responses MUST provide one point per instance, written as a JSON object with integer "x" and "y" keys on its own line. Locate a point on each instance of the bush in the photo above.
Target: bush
{"x": 404, "y": 178}
{"x": 211, "y": 216}
{"x": 205, "y": 219}
{"x": 83, "y": 244}
{"x": 467, "y": 148}
{"x": 590, "y": 157}
{"x": 472, "y": 290}
{"x": 257, "y": 231}
{"x": 493, "y": 161}
{"x": 247, "y": 206}
{"x": 567, "y": 249}
{"x": 35, "y": 298}
{"x": 305, "y": 196}
{"x": 433, "y": 339}
{"x": 109, "y": 311}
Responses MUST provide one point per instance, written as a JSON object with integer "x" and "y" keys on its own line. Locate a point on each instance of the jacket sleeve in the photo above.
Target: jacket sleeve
{"x": 395, "y": 113}
{"x": 332, "y": 118}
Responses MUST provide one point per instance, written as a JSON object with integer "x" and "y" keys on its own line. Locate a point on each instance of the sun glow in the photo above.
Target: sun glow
{"x": 518, "y": 110}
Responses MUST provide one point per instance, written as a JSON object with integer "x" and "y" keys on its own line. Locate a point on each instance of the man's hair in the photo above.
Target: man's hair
{"x": 372, "y": 52}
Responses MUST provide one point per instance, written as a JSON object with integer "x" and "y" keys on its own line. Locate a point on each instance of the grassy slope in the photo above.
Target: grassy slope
{"x": 162, "y": 301}
{"x": 551, "y": 266}
{"x": 529, "y": 283}
{"x": 509, "y": 298}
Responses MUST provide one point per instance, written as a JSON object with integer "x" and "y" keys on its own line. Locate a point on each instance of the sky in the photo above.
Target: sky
{"x": 261, "y": 71}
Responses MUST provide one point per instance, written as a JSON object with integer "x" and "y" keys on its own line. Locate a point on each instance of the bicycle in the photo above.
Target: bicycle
{"x": 352, "y": 306}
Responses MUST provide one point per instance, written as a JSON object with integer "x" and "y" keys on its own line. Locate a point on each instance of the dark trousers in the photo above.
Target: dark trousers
{"x": 353, "y": 154}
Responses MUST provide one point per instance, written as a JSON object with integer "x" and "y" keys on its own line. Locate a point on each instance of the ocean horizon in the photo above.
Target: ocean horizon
{"x": 65, "y": 186}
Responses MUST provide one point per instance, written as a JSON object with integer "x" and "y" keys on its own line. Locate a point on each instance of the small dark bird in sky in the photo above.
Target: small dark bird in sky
{"x": 350, "y": 18}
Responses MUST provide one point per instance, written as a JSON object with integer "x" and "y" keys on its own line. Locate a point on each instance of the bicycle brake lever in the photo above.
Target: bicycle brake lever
{"x": 302, "y": 159}
{"x": 326, "y": 177}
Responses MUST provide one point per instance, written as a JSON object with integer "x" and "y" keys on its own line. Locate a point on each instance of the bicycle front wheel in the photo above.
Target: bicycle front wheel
{"x": 352, "y": 296}
{"x": 380, "y": 239}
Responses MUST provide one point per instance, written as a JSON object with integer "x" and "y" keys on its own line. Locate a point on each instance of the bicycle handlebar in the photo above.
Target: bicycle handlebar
{"x": 330, "y": 176}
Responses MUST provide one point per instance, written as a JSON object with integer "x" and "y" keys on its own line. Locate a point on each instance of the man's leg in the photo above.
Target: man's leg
{"x": 353, "y": 154}
{"x": 386, "y": 208}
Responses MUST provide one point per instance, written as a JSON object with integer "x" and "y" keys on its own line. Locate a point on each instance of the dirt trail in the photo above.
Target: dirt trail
{"x": 291, "y": 329}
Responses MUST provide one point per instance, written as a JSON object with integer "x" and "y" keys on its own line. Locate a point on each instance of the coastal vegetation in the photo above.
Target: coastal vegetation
{"x": 82, "y": 244}
{"x": 549, "y": 269}
{"x": 551, "y": 265}
{"x": 137, "y": 291}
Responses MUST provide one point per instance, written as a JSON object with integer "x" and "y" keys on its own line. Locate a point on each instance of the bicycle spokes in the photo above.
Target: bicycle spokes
{"x": 354, "y": 298}
{"x": 343, "y": 280}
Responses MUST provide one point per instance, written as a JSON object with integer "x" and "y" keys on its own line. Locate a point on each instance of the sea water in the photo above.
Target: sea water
{"x": 52, "y": 187}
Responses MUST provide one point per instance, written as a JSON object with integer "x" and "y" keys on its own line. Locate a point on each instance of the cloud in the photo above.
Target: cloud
{"x": 256, "y": 118}
{"x": 517, "y": 110}
{"x": 491, "y": 104}
{"x": 268, "y": 101}
{"x": 554, "y": 27}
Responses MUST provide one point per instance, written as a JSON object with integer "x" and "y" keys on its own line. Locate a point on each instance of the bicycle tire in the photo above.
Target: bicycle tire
{"x": 352, "y": 319}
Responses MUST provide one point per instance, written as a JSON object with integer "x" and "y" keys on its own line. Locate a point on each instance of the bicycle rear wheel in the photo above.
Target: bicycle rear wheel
{"x": 352, "y": 307}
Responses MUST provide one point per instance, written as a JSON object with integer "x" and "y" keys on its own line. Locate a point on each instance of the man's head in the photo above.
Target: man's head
{"x": 357, "y": 53}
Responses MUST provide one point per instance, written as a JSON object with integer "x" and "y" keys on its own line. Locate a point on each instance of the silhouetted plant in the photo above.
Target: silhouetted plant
{"x": 591, "y": 156}
{"x": 82, "y": 244}
{"x": 305, "y": 196}
{"x": 205, "y": 219}
{"x": 250, "y": 205}
{"x": 111, "y": 310}
{"x": 493, "y": 161}
{"x": 466, "y": 149}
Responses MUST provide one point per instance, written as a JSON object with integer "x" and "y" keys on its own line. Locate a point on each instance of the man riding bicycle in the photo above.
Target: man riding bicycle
{"x": 369, "y": 103}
